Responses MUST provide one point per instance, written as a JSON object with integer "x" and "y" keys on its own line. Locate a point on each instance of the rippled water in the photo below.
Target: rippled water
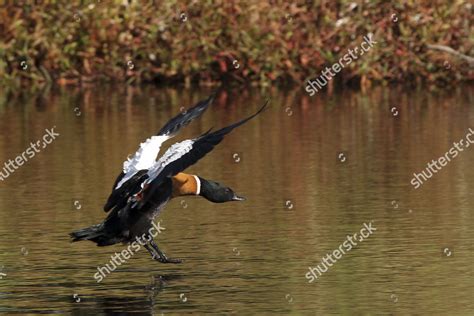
{"x": 314, "y": 170}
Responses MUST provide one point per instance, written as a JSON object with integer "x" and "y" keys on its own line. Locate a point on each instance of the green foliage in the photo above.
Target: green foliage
{"x": 278, "y": 41}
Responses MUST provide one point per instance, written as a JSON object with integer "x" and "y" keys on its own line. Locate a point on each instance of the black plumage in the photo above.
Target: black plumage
{"x": 138, "y": 200}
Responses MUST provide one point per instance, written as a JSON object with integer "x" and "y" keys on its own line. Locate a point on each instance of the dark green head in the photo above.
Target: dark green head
{"x": 217, "y": 193}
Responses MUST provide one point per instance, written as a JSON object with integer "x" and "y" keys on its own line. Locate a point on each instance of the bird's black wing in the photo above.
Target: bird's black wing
{"x": 145, "y": 157}
{"x": 184, "y": 154}
{"x": 176, "y": 123}
{"x": 119, "y": 197}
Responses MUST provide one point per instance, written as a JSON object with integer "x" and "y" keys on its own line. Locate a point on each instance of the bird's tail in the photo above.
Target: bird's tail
{"x": 95, "y": 233}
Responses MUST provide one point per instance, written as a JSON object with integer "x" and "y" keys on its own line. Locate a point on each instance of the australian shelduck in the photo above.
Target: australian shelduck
{"x": 147, "y": 183}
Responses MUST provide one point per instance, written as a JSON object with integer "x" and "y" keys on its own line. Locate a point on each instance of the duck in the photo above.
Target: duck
{"x": 147, "y": 183}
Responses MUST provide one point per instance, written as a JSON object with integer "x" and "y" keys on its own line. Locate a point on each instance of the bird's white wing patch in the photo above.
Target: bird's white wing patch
{"x": 173, "y": 153}
{"x": 144, "y": 158}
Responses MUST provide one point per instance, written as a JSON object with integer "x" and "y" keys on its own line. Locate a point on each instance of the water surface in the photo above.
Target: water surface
{"x": 314, "y": 170}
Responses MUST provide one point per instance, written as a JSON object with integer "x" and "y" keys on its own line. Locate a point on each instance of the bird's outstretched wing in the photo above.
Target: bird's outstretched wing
{"x": 184, "y": 154}
{"x": 146, "y": 155}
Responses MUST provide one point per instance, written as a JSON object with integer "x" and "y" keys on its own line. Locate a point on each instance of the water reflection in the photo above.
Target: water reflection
{"x": 304, "y": 198}
{"x": 145, "y": 301}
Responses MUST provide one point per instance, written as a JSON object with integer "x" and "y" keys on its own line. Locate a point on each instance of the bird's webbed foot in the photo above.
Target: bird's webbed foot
{"x": 159, "y": 255}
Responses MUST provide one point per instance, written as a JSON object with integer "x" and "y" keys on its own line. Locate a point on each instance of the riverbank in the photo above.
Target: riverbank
{"x": 234, "y": 42}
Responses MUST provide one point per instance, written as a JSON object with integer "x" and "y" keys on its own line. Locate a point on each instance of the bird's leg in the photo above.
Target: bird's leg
{"x": 163, "y": 258}
{"x": 156, "y": 255}
{"x": 152, "y": 252}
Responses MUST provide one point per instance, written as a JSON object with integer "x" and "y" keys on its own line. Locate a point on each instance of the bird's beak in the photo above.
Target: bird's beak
{"x": 238, "y": 198}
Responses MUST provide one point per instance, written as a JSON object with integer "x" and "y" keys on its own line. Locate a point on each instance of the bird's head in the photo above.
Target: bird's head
{"x": 217, "y": 193}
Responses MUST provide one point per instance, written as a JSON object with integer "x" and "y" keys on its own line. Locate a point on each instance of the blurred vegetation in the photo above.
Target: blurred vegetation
{"x": 208, "y": 42}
